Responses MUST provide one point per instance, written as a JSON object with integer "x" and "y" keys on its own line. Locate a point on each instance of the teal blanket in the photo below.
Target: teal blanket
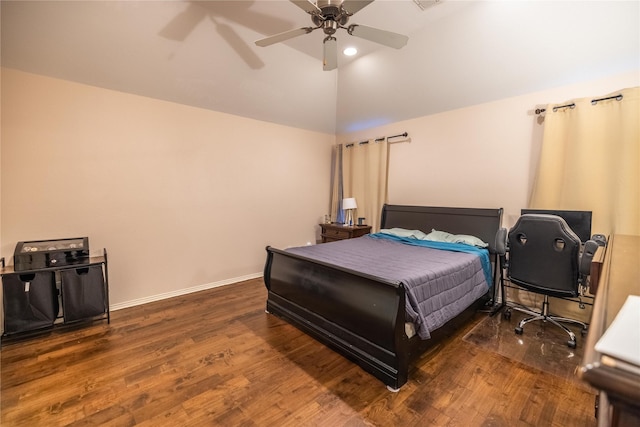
{"x": 454, "y": 247}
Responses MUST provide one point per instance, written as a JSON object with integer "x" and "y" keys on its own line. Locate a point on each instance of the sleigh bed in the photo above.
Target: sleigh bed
{"x": 362, "y": 297}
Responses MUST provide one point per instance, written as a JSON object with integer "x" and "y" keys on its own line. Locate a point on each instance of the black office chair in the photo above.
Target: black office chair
{"x": 545, "y": 257}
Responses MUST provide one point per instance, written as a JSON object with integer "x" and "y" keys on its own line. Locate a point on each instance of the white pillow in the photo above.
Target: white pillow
{"x": 439, "y": 236}
{"x": 443, "y": 236}
{"x": 402, "y": 232}
{"x": 469, "y": 240}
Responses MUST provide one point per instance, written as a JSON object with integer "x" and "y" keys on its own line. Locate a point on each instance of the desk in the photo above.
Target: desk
{"x": 596, "y": 269}
{"x": 619, "y": 398}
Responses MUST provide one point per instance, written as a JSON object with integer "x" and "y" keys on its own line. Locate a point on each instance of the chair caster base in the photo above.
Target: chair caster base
{"x": 506, "y": 314}
{"x": 571, "y": 344}
{"x": 518, "y": 330}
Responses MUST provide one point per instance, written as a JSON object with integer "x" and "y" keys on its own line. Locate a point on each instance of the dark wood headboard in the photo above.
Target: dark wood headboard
{"x": 482, "y": 223}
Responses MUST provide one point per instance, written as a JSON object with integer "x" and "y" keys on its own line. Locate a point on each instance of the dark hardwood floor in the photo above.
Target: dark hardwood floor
{"x": 216, "y": 358}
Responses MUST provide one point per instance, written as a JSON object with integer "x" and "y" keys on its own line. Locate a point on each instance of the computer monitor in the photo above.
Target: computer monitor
{"x": 578, "y": 221}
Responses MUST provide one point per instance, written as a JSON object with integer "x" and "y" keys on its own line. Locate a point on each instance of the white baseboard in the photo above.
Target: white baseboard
{"x": 180, "y": 292}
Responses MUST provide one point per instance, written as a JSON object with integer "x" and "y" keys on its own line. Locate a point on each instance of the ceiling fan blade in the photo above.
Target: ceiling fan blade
{"x": 353, "y": 6}
{"x": 376, "y": 35}
{"x": 330, "y": 58}
{"x": 183, "y": 24}
{"x": 241, "y": 13}
{"x": 306, "y": 5}
{"x": 277, "y": 38}
{"x": 239, "y": 45}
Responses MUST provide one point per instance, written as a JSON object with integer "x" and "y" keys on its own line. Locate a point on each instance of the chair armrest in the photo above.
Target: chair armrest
{"x": 501, "y": 246}
{"x": 501, "y": 241}
{"x": 587, "y": 257}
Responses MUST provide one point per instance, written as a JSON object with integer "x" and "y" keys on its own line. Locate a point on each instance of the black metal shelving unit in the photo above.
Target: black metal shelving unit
{"x": 40, "y": 300}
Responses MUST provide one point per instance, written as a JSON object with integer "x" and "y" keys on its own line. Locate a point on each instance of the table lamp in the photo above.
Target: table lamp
{"x": 348, "y": 205}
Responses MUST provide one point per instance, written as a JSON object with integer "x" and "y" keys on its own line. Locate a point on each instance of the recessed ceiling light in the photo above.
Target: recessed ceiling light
{"x": 350, "y": 51}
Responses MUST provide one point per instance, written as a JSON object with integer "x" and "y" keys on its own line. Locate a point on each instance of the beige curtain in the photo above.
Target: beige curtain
{"x": 590, "y": 160}
{"x": 365, "y": 172}
{"x": 336, "y": 184}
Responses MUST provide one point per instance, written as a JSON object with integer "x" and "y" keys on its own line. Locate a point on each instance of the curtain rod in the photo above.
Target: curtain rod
{"x": 404, "y": 134}
{"x": 573, "y": 105}
{"x": 616, "y": 97}
{"x": 556, "y": 108}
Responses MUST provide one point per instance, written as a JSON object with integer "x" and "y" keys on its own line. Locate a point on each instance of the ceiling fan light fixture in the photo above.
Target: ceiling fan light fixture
{"x": 330, "y": 54}
{"x": 350, "y": 51}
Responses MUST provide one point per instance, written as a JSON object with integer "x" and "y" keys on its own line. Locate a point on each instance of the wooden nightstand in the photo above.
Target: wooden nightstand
{"x": 333, "y": 232}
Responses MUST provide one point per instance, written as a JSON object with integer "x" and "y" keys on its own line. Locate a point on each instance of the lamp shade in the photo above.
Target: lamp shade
{"x": 349, "y": 203}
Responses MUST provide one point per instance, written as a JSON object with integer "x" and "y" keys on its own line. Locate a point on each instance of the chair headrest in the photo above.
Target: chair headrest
{"x": 547, "y": 224}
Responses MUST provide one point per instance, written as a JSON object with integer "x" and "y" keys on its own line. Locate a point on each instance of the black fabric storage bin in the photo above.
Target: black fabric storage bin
{"x": 82, "y": 293}
{"x": 30, "y": 301}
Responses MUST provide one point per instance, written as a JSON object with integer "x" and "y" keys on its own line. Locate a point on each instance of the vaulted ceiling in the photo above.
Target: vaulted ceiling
{"x": 202, "y": 53}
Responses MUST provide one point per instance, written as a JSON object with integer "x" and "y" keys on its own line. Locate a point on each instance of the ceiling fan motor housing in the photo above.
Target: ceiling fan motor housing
{"x": 332, "y": 16}
{"x": 330, "y": 8}
{"x": 329, "y": 27}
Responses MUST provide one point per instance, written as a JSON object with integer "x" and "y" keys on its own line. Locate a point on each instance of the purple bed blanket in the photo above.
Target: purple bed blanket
{"x": 440, "y": 284}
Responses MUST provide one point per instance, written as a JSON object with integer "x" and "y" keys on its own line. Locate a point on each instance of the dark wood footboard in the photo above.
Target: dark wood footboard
{"x": 359, "y": 316}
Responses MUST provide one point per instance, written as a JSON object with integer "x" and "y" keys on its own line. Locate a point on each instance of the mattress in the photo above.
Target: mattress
{"x": 440, "y": 284}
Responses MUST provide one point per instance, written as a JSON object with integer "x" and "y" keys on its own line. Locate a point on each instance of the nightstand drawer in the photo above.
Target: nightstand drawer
{"x": 333, "y": 232}
{"x": 337, "y": 234}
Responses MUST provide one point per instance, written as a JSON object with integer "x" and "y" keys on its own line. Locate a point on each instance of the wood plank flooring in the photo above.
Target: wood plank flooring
{"x": 215, "y": 358}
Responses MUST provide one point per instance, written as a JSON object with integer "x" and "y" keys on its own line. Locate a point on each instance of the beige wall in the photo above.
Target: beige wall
{"x": 481, "y": 156}
{"x": 185, "y": 198}
{"x": 182, "y": 198}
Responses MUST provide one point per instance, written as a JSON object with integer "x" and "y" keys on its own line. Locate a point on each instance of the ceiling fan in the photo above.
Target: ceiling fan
{"x": 331, "y": 15}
